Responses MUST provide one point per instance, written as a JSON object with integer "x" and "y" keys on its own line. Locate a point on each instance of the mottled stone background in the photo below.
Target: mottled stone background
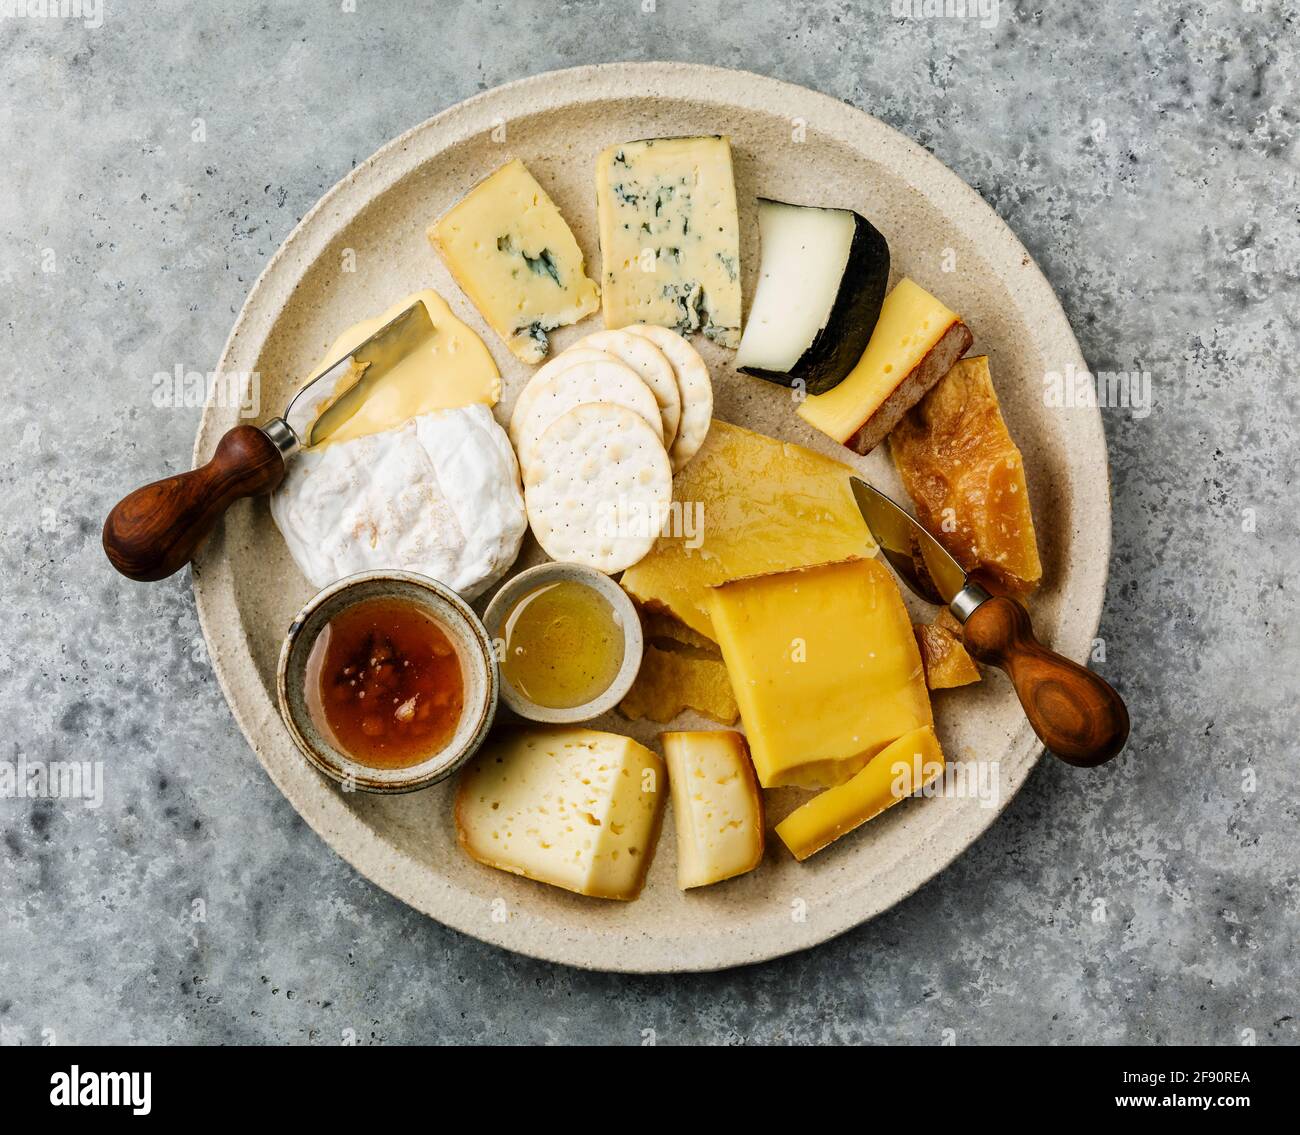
{"x": 1146, "y": 155}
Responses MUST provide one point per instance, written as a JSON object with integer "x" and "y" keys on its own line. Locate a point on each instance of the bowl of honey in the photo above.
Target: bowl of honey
{"x": 388, "y": 681}
{"x": 568, "y": 640}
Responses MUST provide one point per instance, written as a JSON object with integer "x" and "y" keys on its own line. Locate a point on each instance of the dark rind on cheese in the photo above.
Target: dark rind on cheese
{"x": 837, "y": 347}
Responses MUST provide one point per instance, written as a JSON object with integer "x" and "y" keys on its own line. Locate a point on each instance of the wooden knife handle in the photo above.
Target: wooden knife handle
{"x": 1076, "y": 714}
{"x": 156, "y": 530}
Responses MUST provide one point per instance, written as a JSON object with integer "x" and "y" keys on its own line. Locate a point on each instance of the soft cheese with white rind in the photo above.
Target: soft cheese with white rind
{"x": 669, "y": 236}
{"x": 598, "y": 487}
{"x": 514, "y": 256}
{"x": 653, "y": 367}
{"x": 561, "y": 362}
{"x": 438, "y": 495}
{"x": 575, "y": 808}
{"x": 604, "y": 381}
{"x": 694, "y": 385}
{"x": 717, "y": 805}
{"x": 821, "y": 282}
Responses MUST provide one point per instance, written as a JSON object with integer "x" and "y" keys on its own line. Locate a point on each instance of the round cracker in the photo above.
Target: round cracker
{"x": 599, "y": 487}
{"x": 574, "y": 355}
{"x": 604, "y": 380}
{"x": 643, "y": 355}
{"x": 694, "y": 384}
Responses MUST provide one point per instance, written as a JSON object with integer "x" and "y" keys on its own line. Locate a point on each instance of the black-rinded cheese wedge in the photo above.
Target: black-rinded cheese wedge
{"x": 822, "y": 278}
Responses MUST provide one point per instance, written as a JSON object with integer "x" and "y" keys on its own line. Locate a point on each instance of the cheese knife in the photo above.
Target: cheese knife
{"x": 1075, "y": 713}
{"x": 155, "y": 531}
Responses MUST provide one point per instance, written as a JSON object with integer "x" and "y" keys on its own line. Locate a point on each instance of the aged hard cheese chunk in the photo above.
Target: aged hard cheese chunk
{"x": 669, "y": 238}
{"x": 514, "y": 256}
{"x": 717, "y": 806}
{"x": 824, "y": 666}
{"x": 967, "y": 478}
{"x": 671, "y": 680}
{"x": 761, "y": 505}
{"x": 900, "y": 770}
{"x": 915, "y": 341}
{"x": 947, "y": 664}
{"x": 575, "y": 808}
{"x": 455, "y": 370}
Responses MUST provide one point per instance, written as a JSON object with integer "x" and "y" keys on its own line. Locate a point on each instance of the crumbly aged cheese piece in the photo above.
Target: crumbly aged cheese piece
{"x": 915, "y": 342}
{"x": 455, "y": 370}
{"x": 598, "y": 487}
{"x": 947, "y": 664}
{"x": 607, "y": 380}
{"x": 824, "y": 666}
{"x": 762, "y": 505}
{"x": 900, "y": 770}
{"x": 717, "y": 806}
{"x": 669, "y": 237}
{"x": 514, "y": 256}
{"x": 575, "y": 808}
{"x": 967, "y": 478}
{"x": 438, "y": 496}
{"x": 672, "y": 680}
{"x": 694, "y": 385}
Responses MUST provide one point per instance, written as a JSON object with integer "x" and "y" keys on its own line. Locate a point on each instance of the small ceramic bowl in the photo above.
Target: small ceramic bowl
{"x": 478, "y": 665}
{"x": 504, "y": 602}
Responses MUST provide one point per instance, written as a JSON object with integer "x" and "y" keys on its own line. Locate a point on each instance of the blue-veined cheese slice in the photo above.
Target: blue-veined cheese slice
{"x": 669, "y": 237}
{"x": 514, "y": 256}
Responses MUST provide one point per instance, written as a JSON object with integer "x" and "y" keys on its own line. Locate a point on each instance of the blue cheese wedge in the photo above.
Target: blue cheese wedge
{"x": 514, "y": 256}
{"x": 576, "y": 808}
{"x": 669, "y": 238}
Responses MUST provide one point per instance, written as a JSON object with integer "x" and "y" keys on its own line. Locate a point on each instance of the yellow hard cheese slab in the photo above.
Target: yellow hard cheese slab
{"x": 717, "y": 806}
{"x": 900, "y": 770}
{"x": 916, "y": 340}
{"x": 576, "y": 808}
{"x": 750, "y": 504}
{"x": 455, "y": 370}
{"x": 824, "y": 666}
{"x": 513, "y": 254}
{"x": 669, "y": 236}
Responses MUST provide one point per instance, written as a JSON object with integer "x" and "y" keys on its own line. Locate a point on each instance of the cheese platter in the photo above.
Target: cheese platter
{"x": 676, "y": 311}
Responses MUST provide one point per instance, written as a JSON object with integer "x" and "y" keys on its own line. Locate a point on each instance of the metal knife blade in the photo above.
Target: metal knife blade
{"x": 325, "y": 403}
{"x": 924, "y": 563}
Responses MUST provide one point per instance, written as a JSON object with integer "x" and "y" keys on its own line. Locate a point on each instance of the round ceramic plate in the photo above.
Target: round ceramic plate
{"x": 363, "y": 247}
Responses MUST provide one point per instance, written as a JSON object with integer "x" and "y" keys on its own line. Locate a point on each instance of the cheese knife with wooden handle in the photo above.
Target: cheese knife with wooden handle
{"x": 1076, "y": 714}
{"x": 155, "y": 531}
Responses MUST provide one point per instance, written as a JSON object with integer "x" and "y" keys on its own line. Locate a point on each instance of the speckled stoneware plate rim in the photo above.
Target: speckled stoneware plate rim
{"x": 586, "y": 943}
{"x": 436, "y": 598}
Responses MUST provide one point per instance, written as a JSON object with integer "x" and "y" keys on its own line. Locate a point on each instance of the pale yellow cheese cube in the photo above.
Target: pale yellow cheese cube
{"x": 717, "y": 805}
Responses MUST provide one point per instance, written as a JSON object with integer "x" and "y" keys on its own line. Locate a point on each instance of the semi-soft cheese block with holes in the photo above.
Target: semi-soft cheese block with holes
{"x": 438, "y": 495}
{"x": 576, "y": 808}
{"x": 717, "y": 805}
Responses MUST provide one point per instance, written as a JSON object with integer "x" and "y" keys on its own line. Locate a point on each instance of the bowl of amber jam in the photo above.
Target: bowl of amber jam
{"x": 388, "y": 681}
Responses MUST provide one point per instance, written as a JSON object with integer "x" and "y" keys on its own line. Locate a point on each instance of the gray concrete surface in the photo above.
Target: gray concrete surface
{"x": 1146, "y": 155}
